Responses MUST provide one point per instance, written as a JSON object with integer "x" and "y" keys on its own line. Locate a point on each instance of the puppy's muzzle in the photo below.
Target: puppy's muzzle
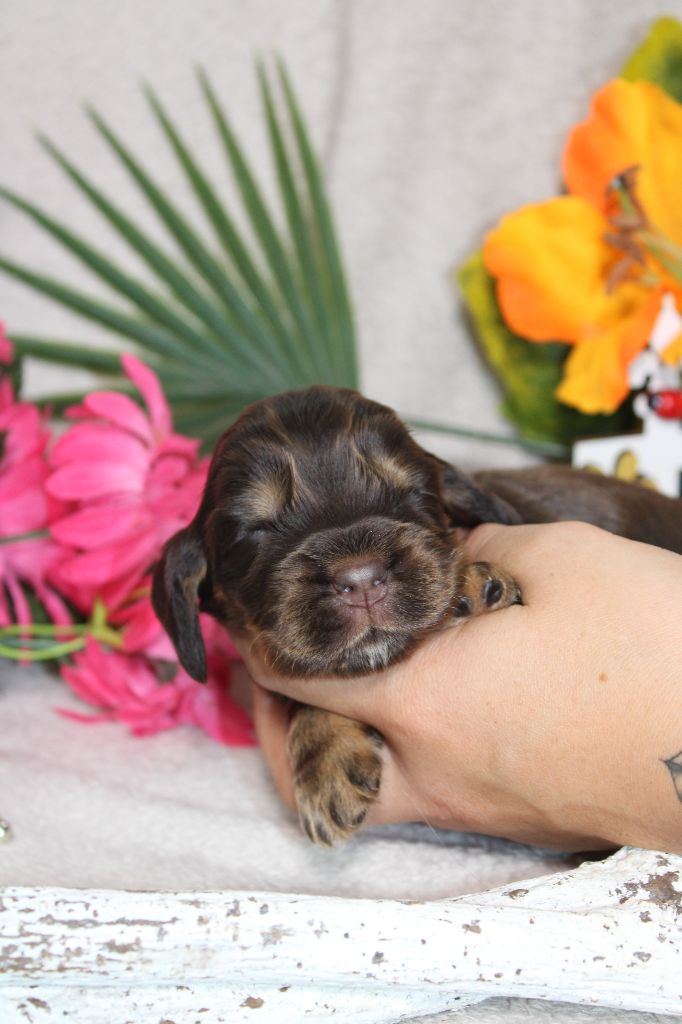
{"x": 350, "y": 599}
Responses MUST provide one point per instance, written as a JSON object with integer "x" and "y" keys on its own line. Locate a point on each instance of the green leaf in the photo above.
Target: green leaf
{"x": 220, "y": 333}
{"x": 280, "y": 343}
{"x": 304, "y": 340}
{"x": 196, "y": 302}
{"x": 85, "y": 357}
{"x": 659, "y": 58}
{"x": 528, "y": 372}
{"x": 194, "y": 249}
{"x": 147, "y": 335}
{"x": 307, "y": 272}
{"x": 329, "y": 250}
{"x": 150, "y": 305}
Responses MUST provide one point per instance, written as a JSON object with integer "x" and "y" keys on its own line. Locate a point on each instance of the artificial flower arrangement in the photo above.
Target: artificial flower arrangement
{"x": 566, "y": 293}
{"x": 83, "y": 516}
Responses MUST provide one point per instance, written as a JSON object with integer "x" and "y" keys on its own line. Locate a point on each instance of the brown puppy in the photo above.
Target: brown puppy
{"x": 327, "y": 533}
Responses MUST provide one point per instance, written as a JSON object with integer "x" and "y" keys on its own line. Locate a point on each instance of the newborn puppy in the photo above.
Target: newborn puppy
{"x": 330, "y": 536}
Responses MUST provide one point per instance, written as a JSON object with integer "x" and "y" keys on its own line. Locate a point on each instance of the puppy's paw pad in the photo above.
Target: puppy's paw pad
{"x": 334, "y": 803}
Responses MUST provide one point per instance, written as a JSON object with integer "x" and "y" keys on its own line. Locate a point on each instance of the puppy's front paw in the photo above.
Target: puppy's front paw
{"x": 483, "y": 587}
{"x": 337, "y": 773}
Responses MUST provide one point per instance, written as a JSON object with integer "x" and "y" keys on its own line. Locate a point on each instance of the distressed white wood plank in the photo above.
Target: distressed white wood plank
{"x": 606, "y": 934}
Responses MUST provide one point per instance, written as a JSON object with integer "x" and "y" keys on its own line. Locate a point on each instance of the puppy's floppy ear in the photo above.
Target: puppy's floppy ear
{"x": 175, "y": 597}
{"x": 467, "y": 504}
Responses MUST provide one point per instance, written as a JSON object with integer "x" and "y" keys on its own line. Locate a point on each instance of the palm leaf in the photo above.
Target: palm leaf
{"x": 221, "y": 328}
{"x": 323, "y": 229}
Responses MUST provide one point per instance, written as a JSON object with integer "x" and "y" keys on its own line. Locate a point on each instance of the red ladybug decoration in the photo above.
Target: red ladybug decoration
{"x": 667, "y": 404}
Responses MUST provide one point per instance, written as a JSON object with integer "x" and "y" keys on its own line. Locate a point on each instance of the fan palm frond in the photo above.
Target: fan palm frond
{"x": 270, "y": 312}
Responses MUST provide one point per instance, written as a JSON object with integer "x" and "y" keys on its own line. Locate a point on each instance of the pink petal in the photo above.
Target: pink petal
{"x": 167, "y": 471}
{"x": 99, "y": 567}
{"x": 29, "y": 471}
{"x": 78, "y": 481}
{"x": 22, "y": 424}
{"x": 22, "y": 612}
{"x": 79, "y": 716}
{"x": 27, "y": 511}
{"x": 6, "y": 347}
{"x": 6, "y": 393}
{"x": 99, "y": 442}
{"x": 120, "y": 410}
{"x": 149, "y": 387}
{"x": 116, "y": 591}
{"x": 5, "y": 617}
{"x": 98, "y": 525}
{"x": 53, "y": 604}
{"x": 213, "y": 710}
{"x": 87, "y": 685}
{"x": 177, "y": 444}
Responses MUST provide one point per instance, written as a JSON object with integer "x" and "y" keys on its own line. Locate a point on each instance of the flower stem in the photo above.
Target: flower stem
{"x": 44, "y": 629}
{"x": 42, "y": 654}
{"x": 28, "y": 646}
{"x": 30, "y": 535}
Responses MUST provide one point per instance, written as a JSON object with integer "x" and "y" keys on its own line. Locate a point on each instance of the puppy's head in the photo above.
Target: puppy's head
{"x": 326, "y": 531}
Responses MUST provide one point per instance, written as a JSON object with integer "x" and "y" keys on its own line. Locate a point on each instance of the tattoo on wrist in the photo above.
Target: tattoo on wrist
{"x": 674, "y": 766}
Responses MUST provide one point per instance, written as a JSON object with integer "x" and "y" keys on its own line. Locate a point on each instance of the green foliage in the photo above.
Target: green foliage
{"x": 659, "y": 58}
{"x": 237, "y": 315}
{"x": 528, "y": 373}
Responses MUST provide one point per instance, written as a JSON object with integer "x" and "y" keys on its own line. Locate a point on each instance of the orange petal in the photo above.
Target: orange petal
{"x": 596, "y": 371}
{"x": 630, "y": 123}
{"x": 551, "y": 265}
{"x": 672, "y": 353}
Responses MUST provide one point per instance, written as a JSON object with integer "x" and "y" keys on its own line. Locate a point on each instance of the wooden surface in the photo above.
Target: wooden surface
{"x": 606, "y": 934}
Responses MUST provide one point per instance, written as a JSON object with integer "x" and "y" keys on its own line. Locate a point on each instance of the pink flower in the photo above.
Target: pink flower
{"x": 144, "y": 634}
{"x": 25, "y": 507}
{"x": 126, "y": 688}
{"x": 6, "y": 346}
{"x": 131, "y": 483}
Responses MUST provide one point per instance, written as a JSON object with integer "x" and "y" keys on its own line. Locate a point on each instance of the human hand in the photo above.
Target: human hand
{"x": 547, "y": 723}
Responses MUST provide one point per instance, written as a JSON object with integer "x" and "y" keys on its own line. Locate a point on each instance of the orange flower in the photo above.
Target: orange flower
{"x": 591, "y": 268}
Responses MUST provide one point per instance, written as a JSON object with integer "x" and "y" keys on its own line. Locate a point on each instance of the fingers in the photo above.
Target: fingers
{"x": 542, "y": 556}
{"x": 271, "y": 719}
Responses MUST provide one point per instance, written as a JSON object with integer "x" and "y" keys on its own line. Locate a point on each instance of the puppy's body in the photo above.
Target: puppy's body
{"x": 331, "y": 536}
{"x": 547, "y": 494}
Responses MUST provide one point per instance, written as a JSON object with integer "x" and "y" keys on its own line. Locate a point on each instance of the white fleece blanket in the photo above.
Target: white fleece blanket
{"x": 433, "y": 119}
{"x": 93, "y": 807}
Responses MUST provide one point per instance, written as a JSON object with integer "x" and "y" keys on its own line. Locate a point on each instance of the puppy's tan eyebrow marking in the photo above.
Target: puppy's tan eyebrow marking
{"x": 387, "y": 466}
{"x": 393, "y": 471}
{"x": 275, "y": 425}
{"x": 266, "y": 497}
{"x": 270, "y": 484}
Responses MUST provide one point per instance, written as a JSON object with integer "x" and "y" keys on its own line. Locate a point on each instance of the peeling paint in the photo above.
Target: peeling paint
{"x": 514, "y": 894}
{"x": 274, "y": 935}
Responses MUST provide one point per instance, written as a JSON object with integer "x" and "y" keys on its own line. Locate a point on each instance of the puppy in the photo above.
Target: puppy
{"x": 330, "y": 536}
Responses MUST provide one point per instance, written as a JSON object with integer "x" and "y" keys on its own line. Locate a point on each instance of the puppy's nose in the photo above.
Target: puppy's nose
{"x": 361, "y": 581}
